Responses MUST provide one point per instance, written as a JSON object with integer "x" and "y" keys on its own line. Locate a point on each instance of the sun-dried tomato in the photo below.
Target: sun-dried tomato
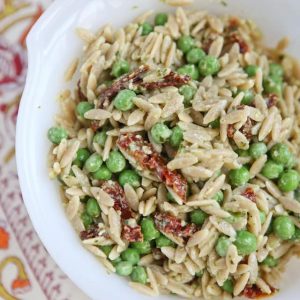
{"x": 254, "y": 292}
{"x": 206, "y": 45}
{"x": 122, "y": 83}
{"x": 90, "y": 233}
{"x": 157, "y": 254}
{"x": 246, "y": 129}
{"x": 245, "y": 259}
{"x": 132, "y": 234}
{"x": 236, "y": 38}
{"x": 230, "y": 131}
{"x": 114, "y": 190}
{"x": 95, "y": 125}
{"x": 233, "y": 24}
{"x": 143, "y": 153}
{"x": 172, "y": 79}
{"x": 240, "y": 107}
{"x": 172, "y": 225}
{"x": 79, "y": 92}
{"x": 135, "y": 78}
{"x": 272, "y": 100}
{"x": 249, "y": 193}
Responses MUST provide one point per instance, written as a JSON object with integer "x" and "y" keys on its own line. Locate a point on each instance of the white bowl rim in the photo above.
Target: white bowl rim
{"x": 24, "y": 174}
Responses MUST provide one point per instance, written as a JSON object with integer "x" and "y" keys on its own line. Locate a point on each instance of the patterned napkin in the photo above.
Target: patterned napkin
{"x": 27, "y": 271}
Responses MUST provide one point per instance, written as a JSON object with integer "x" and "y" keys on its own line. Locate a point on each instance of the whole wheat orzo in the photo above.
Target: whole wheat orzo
{"x": 177, "y": 154}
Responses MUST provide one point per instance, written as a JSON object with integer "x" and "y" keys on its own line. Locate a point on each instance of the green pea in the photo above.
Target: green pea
{"x": 228, "y": 286}
{"x": 270, "y": 228}
{"x": 83, "y": 107}
{"x": 160, "y": 133}
{"x": 106, "y": 249}
{"x": 148, "y": 229}
{"x": 163, "y": 241}
{"x": 131, "y": 255}
{"x": 214, "y": 124}
{"x": 161, "y": 19}
{"x": 222, "y": 245}
{"x": 258, "y": 149}
{"x": 248, "y": 97}
{"x": 139, "y": 275}
{"x": 100, "y": 138}
{"x": 234, "y": 218}
{"x": 85, "y": 199}
{"x": 188, "y": 93}
{"x": 124, "y": 100}
{"x": 185, "y": 43}
{"x": 130, "y": 177}
{"x": 284, "y": 227}
{"x": 270, "y": 261}
{"x": 291, "y": 162}
{"x": 142, "y": 247}
{"x": 280, "y": 153}
{"x": 199, "y": 273}
{"x": 87, "y": 220}
{"x": 275, "y": 70}
{"x": 296, "y": 236}
{"x": 271, "y": 169}
{"x": 194, "y": 55}
{"x": 57, "y": 134}
{"x": 176, "y": 137}
{"x": 239, "y": 177}
{"x": 81, "y": 156}
{"x": 272, "y": 86}
{"x": 198, "y": 216}
{"x": 119, "y": 68}
{"x": 218, "y": 173}
{"x": 93, "y": 163}
{"x": 93, "y": 208}
{"x": 189, "y": 70}
{"x": 297, "y": 194}
{"x": 116, "y": 261}
{"x": 209, "y": 65}
{"x": 170, "y": 197}
{"x": 288, "y": 181}
{"x": 124, "y": 268}
{"x": 219, "y": 197}
{"x": 108, "y": 83}
{"x": 103, "y": 173}
{"x": 262, "y": 217}
{"x": 242, "y": 153}
{"x": 251, "y": 70}
{"x": 146, "y": 28}
{"x": 77, "y": 163}
{"x": 245, "y": 242}
{"x": 116, "y": 162}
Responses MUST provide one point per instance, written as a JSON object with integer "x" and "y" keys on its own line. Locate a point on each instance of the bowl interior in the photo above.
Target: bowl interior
{"x": 52, "y": 45}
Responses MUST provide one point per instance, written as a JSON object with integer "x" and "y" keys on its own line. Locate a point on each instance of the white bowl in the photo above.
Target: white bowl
{"x": 52, "y": 44}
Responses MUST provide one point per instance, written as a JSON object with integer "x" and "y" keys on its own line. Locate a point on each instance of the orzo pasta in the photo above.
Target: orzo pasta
{"x": 177, "y": 154}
